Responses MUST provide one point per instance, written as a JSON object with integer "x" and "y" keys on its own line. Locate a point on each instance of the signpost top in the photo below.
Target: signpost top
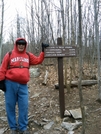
{"x": 60, "y": 51}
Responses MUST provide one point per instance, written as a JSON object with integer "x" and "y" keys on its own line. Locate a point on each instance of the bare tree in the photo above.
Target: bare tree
{"x": 18, "y": 26}
{"x": 97, "y": 43}
{"x": 1, "y": 26}
{"x": 80, "y": 67}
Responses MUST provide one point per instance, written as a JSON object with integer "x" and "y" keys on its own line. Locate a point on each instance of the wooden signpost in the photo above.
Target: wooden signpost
{"x": 59, "y": 52}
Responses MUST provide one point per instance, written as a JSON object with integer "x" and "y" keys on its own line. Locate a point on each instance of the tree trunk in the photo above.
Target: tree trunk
{"x": 1, "y": 27}
{"x": 97, "y": 43}
{"x": 80, "y": 68}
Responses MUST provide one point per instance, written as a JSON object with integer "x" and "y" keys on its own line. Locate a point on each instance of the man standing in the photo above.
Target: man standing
{"x": 15, "y": 71}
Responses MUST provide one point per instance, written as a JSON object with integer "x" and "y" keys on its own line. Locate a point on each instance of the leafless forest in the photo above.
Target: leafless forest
{"x": 77, "y": 22}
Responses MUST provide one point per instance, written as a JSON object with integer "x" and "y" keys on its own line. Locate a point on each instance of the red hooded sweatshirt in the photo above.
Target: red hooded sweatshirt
{"x": 19, "y": 63}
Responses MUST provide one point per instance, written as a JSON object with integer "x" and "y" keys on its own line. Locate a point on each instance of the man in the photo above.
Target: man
{"x": 15, "y": 70}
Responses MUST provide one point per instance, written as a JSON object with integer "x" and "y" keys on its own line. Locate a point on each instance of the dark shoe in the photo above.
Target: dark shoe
{"x": 24, "y": 132}
{"x": 13, "y": 132}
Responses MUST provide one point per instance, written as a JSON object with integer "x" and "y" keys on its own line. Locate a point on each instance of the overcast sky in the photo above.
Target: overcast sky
{"x": 14, "y": 6}
{"x": 11, "y": 8}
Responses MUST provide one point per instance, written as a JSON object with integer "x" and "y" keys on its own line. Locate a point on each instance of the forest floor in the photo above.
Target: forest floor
{"x": 44, "y": 103}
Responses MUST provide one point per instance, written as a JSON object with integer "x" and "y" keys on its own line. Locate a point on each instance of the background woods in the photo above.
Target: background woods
{"x": 44, "y": 21}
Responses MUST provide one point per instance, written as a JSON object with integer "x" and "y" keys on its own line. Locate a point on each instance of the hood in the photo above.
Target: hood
{"x": 15, "y": 46}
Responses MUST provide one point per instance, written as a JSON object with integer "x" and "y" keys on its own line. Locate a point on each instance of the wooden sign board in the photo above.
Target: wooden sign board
{"x": 60, "y": 51}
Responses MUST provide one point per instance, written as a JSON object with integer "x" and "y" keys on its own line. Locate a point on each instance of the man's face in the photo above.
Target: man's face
{"x": 21, "y": 44}
{"x": 21, "y": 47}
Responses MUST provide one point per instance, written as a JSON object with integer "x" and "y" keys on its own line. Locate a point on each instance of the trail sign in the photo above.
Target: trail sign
{"x": 60, "y": 51}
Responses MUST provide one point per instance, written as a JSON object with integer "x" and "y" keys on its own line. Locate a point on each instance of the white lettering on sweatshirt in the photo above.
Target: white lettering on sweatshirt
{"x": 19, "y": 59}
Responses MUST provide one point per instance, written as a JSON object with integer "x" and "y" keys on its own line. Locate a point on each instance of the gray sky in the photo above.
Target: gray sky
{"x": 14, "y": 6}
{"x": 11, "y": 8}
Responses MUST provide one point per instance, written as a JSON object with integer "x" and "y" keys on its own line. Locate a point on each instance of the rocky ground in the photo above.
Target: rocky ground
{"x": 44, "y": 108}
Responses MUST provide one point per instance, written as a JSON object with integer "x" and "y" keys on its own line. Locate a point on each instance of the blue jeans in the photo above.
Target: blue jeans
{"x": 16, "y": 93}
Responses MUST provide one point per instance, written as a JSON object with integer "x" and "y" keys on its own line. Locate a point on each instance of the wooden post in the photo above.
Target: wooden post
{"x": 59, "y": 52}
{"x": 61, "y": 81}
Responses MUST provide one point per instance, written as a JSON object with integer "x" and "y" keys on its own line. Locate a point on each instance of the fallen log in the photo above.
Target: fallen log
{"x": 83, "y": 83}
